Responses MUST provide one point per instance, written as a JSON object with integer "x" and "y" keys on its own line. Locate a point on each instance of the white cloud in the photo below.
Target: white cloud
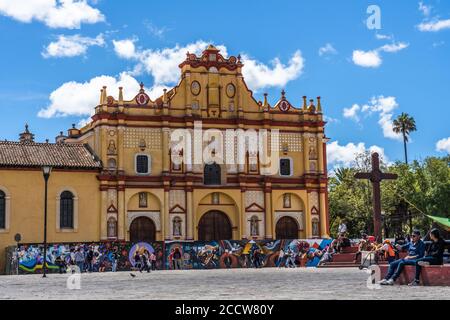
{"x": 71, "y": 46}
{"x": 162, "y": 64}
{"x": 77, "y": 99}
{"x": 434, "y": 26}
{"x": 258, "y": 75}
{"x": 382, "y": 36}
{"x": 425, "y": 9}
{"x": 394, "y": 47}
{"x": 383, "y": 106}
{"x": 125, "y": 48}
{"x": 68, "y": 14}
{"x": 352, "y": 112}
{"x": 372, "y": 58}
{"x": 366, "y": 59}
{"x": 344, "y": 155}
{"x": 155, "y": 30}
{"x": 443, "y": 145}
{"x": 327, "y": 49}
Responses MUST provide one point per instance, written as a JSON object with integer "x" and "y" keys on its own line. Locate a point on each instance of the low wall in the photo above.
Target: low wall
{"x": 195, "y": 254}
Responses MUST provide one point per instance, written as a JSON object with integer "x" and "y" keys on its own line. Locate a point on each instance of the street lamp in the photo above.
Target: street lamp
{"x": 46, "y": 170}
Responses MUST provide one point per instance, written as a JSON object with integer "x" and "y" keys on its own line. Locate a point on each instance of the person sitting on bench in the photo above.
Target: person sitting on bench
{"x": 416, "y": 250}
{"x": 434, "y": 255}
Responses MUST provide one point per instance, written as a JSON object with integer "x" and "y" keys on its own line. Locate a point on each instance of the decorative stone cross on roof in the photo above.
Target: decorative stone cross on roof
{"x": 376, "y": 176}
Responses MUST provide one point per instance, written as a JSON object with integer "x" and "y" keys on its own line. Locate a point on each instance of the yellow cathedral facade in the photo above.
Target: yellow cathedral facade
{"x": 117, "y": 179}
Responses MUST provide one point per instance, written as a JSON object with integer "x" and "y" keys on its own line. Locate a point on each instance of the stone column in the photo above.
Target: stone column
{"x": 305, "y": 150}
{"x": 320, "y": 155}
{"x": 165, "y": 225}
{"x": 323, "y": 216}
{"x": 121, "y": 214}
{"x": 120, "y": 147}
{"x": 165, "y": 148}
{"x": 242, "y": 215}
{"x": 268, "y": 213}
{"x": 189, "y": 215}
{"x": 104, "y": 209}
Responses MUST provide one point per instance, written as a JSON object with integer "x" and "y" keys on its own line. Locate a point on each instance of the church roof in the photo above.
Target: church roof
{"x": 57, "y": 155}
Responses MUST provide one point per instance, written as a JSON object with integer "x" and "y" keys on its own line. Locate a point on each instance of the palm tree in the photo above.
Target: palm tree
{"x": 404, "y": 124}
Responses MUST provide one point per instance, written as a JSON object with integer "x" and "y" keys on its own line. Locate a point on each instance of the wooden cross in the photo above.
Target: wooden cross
{"x": 376, "y": 176}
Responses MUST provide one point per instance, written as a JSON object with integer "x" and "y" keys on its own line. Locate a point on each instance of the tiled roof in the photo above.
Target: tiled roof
{"x": 57, "y": 155}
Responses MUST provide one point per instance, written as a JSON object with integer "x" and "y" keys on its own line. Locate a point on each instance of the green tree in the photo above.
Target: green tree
{"x": 404, "y": 124}
{"x": 422, "y": 187}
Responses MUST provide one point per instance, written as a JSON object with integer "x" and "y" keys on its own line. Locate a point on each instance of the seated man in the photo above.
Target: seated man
{"x": 363, "y": 245}
{"x": 434, "y": 255}
{"x": 342, "y": 242}
{"x": 416, "y": 250}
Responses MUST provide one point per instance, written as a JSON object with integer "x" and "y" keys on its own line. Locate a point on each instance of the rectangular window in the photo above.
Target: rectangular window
{"x": 142, "y": 164}
{"x": 66, "y": 214}
{"x": 285, "y": 167}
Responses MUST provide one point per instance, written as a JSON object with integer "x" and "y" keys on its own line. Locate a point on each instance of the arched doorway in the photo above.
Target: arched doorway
{"x": 287, "y": 228}
{"x": 142, "y": 229}
{"x": 214, "y": 225}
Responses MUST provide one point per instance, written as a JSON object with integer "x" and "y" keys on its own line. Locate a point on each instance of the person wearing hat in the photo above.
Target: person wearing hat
{"x": 416, "y": 250}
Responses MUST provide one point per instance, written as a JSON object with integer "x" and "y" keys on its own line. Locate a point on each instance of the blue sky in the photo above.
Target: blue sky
{"x": 55, "y": 52}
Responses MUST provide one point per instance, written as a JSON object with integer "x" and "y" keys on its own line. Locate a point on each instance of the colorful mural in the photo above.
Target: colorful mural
{"x": 98, "y": 257}
{"x": 120, "y": 256}
{"x": 243, "y": 254}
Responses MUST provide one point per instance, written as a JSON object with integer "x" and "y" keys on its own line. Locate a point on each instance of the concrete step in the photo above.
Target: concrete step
{"x": 339, "y": 265}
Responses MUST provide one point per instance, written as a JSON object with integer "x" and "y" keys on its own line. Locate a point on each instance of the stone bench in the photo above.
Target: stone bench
{"x": 430, "y": 276}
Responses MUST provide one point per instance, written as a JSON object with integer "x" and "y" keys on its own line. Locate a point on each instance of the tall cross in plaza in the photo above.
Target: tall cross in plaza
{"x": 376, "y": 176}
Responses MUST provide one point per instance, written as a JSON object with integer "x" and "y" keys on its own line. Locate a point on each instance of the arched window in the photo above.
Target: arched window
{"x": 112, "y": 228}
{"x": 66, "y": 210}
{"x": 212, "y": 174}
{"x": 142, "y": 164}
{"x": 2, "y": 210}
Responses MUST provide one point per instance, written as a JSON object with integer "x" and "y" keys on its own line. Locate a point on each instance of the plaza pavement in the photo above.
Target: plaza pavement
{"x": 222, "y": 284}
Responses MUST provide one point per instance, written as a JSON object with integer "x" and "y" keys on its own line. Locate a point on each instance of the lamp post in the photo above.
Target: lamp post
{"x": 46, "y": 170}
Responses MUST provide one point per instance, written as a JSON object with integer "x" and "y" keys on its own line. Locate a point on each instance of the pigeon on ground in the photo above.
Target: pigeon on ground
{"x": 132, "y": 275}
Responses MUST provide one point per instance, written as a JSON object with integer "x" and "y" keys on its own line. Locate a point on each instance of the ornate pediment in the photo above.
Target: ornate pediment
{"x": 177, "y": 209}
{"x": 112, "y": 209}
{"x": 254, "y": 208}
{"x": 211, "y": 58}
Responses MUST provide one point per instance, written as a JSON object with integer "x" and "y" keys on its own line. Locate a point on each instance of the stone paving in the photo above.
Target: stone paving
{"x": 268, "y": 283}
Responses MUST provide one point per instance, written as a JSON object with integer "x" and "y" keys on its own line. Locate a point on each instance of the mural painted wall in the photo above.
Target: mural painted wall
{"x": 105, "y": 254}
{"x": 173, "y": 255}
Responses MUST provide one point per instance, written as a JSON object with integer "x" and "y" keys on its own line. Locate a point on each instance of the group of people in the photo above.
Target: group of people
{"x": 286, "y": 258}
{"x": 144, "y": 261}
{"x": 418, "y": 255}
{"x": 88, "y": 260}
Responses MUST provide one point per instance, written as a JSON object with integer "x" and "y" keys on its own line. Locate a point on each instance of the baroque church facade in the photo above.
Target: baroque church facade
{"x": 116, "y": 178}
